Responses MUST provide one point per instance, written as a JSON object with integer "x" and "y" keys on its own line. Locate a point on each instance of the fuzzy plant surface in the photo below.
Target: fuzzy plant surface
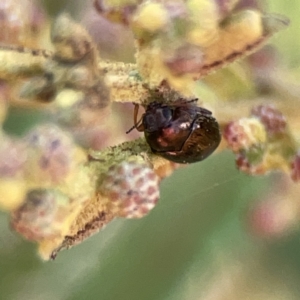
{"x": 223, "y": 228}
{"x": 59, "y": 182}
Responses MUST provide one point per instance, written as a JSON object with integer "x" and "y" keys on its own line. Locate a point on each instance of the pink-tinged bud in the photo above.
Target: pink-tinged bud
{"x": 20, "y": 21}
{"x": 132, "y": 187}
{"x": 42, "y": 214}
{"x": 13, "y": 156}
{"x": 273, "y": 120}
{"x": 272, "y": 218}
{"x": 244, "y": 134}
{"x": 244, "y": 164}
{"x": 71, "y": 41}
{"x": 295, "y": 172}
{"x": 51, "y": 154}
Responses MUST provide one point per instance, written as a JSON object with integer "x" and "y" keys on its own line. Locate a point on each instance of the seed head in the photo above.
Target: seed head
{"x": 255, "y": 167}
{"x": 273, "y": 120}
{"x": 132, "y": 187}
{"x": 13, "y": 155}
{"x": 41, "y": 216}
{"x": 244, "y": 133}
{"x": 51, "y": 154}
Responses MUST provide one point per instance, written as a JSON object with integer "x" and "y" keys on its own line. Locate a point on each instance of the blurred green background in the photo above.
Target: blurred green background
{"x": 194, "y": 245}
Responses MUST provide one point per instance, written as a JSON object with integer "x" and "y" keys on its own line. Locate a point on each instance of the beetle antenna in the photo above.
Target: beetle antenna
{"x": 137, "y": 123}
{"x": 192, "y": 100}
{"x": 138, "y": 126}
{"x": 128, "y": 131}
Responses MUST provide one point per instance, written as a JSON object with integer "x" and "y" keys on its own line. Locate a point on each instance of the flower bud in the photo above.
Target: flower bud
{"x": 273, "y": 120}
{"x": 244, "y": 134}
{"x": 132, "y": 187}
{"x": 51, "y": 155}
{"x": 42, "y": 214}
{"x": 71, "y": 41}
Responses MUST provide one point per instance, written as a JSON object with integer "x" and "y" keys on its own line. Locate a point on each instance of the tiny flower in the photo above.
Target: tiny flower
{"x": 295, "y": 173}
{"x": 71, "y": 41}
{"x": 51, "y": 155}
{"x": 13, "y": 156}
{"x": 262, "y": 142}
{"x": 150, "y": 17}
{"x": 12, "y": 192}
{"x": 132, "y": 187}
{"x": 13, "y": 187}
{"x": 77, "y": 110}
{"x": 20, "y": 21}
{"x": 41, "y": 215}
{"x": 273, "y": 120}
{"x": 244, "y": 133}
{"x": 251, "y": 162}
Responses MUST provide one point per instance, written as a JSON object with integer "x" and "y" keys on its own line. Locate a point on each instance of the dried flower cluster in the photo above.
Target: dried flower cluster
{"x": 57, "y": 192}
{"x": 262, "y": 142}
{"x": 132, "y": 187}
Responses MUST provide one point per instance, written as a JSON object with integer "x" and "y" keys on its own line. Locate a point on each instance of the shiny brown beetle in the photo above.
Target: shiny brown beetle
{"x": 180, "y": 132}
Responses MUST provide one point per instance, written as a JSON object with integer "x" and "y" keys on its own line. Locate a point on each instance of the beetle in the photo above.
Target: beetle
{"x": 180, "y": 132}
